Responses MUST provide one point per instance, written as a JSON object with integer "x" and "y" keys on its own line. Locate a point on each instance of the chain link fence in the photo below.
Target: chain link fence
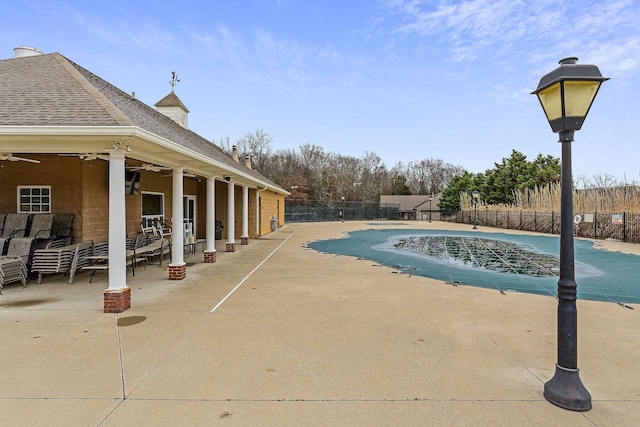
{"x": 322, "y": 211}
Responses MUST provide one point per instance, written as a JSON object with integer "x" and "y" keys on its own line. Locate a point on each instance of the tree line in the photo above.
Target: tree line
{"x": 309, "y": 173}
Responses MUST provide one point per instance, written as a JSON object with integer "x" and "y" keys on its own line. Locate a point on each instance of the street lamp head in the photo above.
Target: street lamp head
{"x": 566, "y": 94}
{"x": 476, "y": 195}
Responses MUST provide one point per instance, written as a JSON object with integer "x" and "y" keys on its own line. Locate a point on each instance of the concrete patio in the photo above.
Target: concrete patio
{"x": 277, "y": 334}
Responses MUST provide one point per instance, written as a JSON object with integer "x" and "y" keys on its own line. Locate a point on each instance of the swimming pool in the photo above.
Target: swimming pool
{"x": 505, "y": 262}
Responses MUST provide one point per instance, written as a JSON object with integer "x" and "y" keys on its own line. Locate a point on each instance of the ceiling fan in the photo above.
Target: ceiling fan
{"x": 12, "y": 158}
{"x": 88, "y": 156}
{"x": 184, "y": 174}
{"x": 149, "y": 167}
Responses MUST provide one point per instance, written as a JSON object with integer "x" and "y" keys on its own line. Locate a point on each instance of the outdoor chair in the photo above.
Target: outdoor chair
{"x": 12, "y": 269}
{"x": 62, "y": 227}
{"x": 39, "y": 234}
{"x": 21, "y": 247}
{"x": 60, "y": 258}
{"x": 100, "y": 260}
{"x": 2, "y": 218}
{"x": 80, "y": 258}
{"x": 15, "y": 225}
{"x": 159, "y": 247}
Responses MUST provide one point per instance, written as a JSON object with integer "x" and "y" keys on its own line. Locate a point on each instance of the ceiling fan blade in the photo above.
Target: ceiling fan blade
{"x": 13, "y": 158}
{"x": 26, "y": 160}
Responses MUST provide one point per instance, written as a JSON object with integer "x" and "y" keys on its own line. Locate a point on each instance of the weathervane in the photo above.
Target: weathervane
{"x": 174, "y": 80}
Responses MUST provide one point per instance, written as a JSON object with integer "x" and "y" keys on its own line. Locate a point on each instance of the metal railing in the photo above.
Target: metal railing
{"x": 623, "y": 227}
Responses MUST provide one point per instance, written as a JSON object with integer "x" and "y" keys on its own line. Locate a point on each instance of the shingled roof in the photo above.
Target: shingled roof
{"x": 51, "y": 90}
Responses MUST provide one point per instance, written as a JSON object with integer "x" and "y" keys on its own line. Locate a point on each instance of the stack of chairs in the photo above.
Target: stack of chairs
{"x": 59, "y": 258}
{"x": 12, "y": 269}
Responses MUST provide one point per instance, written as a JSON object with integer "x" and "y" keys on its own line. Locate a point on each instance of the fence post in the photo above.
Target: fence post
{"x": 595, "y": 225}
{"x": 520, "y": 219}
{"x": 552, "y": 221}
{"x": 535, "y": 221}
{"x": 624, "y": 227}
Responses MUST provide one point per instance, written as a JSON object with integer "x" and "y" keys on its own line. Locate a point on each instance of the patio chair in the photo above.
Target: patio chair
{"x": 15, "y": 225}
{"x": 55, "y": 258}
{"x": 21, "y": 247}
{"x": 98, "y": 264}
{"x": 62, "y": 227}
{"x": 12, "y": 269}
{"x": 2, "y": 217}
{"x": 39, "y": 235}
{"x": 159, "y": 248}
{"x": 100, "y": 260}
{"x": 80, "y": 258}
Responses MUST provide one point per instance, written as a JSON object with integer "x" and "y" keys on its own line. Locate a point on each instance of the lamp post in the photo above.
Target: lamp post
{"x": 430, "y": 199}
{"x": 566, "y": 94}
{"x": 476, "y": 195}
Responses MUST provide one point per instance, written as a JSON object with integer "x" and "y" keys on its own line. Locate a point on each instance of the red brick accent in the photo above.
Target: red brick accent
{"x": 117, "y": 300}
{"x": 231, "y": 247}
{"x": 210, "y": 257}
{"x": 244, "y": 240}
{"x": 177, "y": 272}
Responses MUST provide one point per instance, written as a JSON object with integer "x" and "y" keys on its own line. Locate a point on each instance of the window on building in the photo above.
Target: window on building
{"x": 152, "y": 209}
{"x": 32, "y": 199}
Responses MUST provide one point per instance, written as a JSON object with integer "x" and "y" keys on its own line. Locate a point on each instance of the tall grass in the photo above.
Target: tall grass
{"x": 611, "y": 200}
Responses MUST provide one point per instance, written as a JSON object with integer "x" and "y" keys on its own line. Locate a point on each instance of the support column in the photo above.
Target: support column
{"x": 117, "y": 298}
{"x": 244, "y": 237}
{"x": 231, "y": 220}
{"x": 210, "y": 255}
{"x": 177, "y": 268}
{"x": 258, "y": 211}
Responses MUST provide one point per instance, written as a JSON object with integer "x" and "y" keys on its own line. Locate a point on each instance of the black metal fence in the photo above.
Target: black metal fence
{"x": 319, "y": 211}
{"x": 624, "y": 227}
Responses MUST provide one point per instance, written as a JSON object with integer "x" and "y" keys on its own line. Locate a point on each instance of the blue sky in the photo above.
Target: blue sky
{"x": 406, "y": 79}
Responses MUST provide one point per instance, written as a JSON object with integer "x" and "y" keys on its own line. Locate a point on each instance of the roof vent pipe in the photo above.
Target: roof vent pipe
{"x": 247, "y": 161}
{"x": 23, "y": 51}
{"x": 234, "y": 153}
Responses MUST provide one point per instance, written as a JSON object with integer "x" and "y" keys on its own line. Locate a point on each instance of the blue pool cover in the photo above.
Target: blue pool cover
{"x": 494, "y": 260}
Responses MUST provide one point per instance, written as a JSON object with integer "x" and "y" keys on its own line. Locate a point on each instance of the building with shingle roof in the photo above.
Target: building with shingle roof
{"x": 414, "y": 207}
{"x": 117, "y": 164}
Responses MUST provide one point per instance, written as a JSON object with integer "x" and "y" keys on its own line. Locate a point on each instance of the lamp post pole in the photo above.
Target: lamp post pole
{"x": 430, "y": 199}
{"x": 566, "y": 95}
{"x": 475, "y": 194}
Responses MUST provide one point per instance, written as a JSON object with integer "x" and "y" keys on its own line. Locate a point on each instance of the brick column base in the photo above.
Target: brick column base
{"x": 177, "y": 271}
{"x": 117, "y": 300}
{"x": 210, "y": 256}
{"x": 244, "y": 240}
{"x": 231, "y": 247}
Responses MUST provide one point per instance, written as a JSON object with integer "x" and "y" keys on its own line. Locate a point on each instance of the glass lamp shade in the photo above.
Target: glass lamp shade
{"x": 475, "y": 194}
{"x": 566, "y": 94}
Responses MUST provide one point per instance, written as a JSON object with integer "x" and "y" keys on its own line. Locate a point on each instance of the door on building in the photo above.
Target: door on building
{"x": 189, "y": 212}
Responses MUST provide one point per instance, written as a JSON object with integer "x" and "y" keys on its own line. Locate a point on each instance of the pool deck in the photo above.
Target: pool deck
{"x": 277, "y": 334}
